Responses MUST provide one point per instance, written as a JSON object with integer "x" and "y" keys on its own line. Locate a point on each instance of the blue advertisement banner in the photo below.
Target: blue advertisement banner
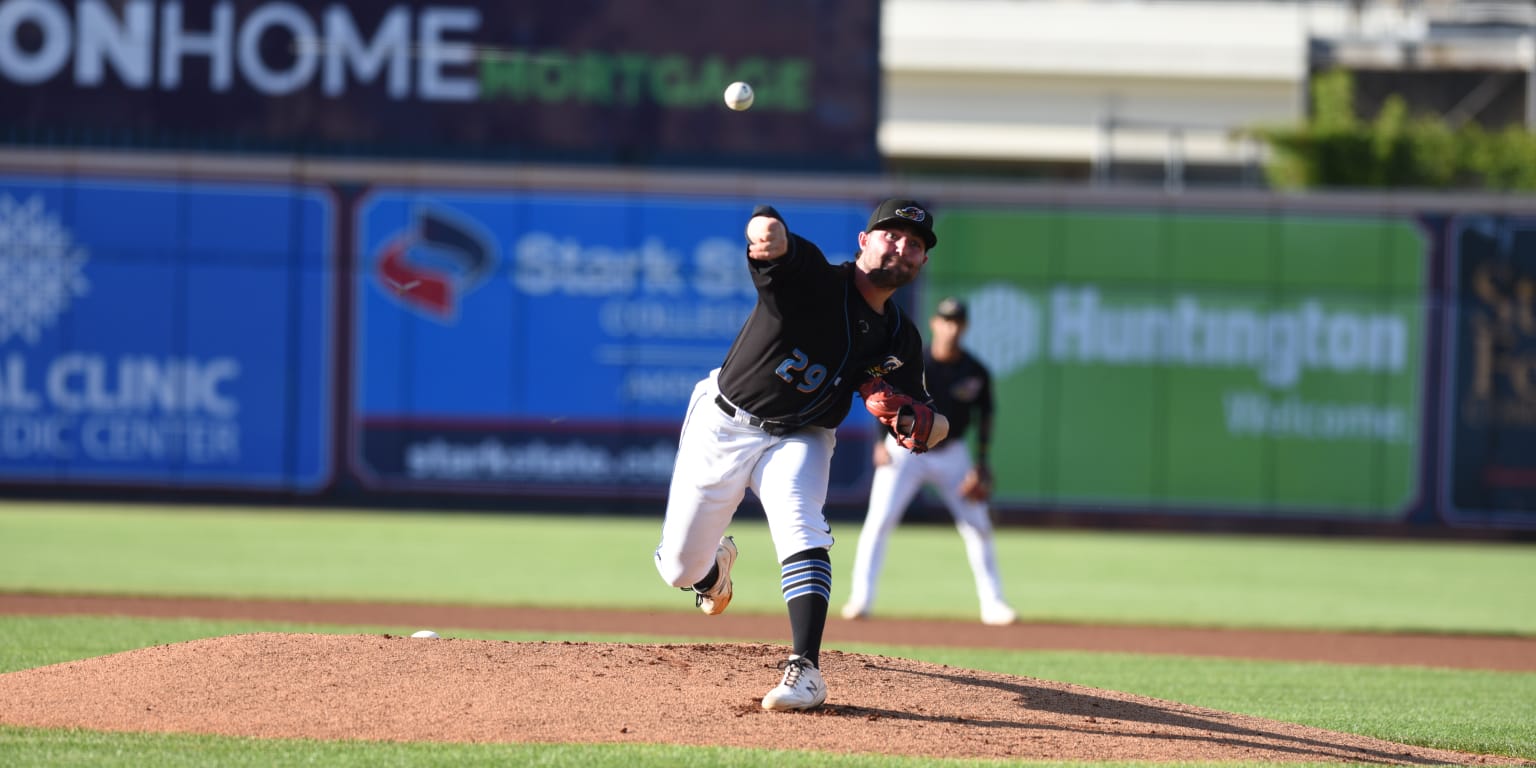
{"x": 601, "y": 81}
{"x": 549, "y": 342}
{"x": 172, "y": 334}
{"x": 1491, "y": 401}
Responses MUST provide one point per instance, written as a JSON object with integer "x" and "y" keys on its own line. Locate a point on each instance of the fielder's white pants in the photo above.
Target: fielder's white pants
{"x": 894, "y": 487}
{"x": 718, "y": 459}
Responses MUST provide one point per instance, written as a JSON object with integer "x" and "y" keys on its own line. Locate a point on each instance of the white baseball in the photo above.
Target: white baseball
{"x": 425, "y": 633}
{"x": 738, "y": 96}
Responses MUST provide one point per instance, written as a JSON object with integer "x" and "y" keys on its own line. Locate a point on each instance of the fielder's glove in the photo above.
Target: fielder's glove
{"x": 888, "y": 406}
{"x": 977, "y": 485}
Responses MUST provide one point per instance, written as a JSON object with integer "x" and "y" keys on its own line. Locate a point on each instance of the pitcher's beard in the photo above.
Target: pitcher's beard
{"x": 891, "y": 278}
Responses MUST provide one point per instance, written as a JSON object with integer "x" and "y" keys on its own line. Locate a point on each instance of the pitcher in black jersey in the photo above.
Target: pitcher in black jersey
{"x": 766, "y": 418}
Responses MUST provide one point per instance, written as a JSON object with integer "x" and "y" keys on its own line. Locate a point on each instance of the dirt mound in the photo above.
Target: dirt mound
{"x": 392, "y": 688}
{"x": 1514, "y": 654}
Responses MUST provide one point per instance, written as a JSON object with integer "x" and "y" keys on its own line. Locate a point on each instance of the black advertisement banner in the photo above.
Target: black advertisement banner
{"x": 577, "y": 80}
{"x": 571, "y": 460}
{"x": 1492, "y": 406}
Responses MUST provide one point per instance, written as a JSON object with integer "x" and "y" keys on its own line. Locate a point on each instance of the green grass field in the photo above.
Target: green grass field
{"x": 1165, "y": 579}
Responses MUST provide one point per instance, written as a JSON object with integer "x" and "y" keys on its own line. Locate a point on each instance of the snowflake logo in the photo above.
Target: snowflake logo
{"x": 41, "y": 269}
{"x": 1006, "y": 328}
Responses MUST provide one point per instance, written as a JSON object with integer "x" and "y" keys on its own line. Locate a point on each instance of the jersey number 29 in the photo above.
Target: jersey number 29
{"x": 811, "y": 375}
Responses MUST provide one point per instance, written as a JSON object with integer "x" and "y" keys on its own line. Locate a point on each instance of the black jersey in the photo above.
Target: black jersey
{"x": 962, "y": 389}
{"x": 812, "y": 339}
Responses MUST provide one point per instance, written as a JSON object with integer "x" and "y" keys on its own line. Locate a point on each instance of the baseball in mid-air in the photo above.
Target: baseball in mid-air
{"x": 424, "y": 633}
{"x": 738, "y": 96}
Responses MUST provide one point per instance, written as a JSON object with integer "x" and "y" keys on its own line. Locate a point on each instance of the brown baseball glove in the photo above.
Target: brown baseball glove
{"x": 888, "y": 406}
{"x": 977, "y": 485}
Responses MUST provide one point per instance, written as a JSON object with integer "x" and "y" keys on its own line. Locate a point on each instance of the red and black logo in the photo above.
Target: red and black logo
{"x": 434, "y": 264}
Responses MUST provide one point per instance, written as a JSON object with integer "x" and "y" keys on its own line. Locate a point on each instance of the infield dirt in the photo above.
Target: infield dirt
{"x": 396, "y": 688}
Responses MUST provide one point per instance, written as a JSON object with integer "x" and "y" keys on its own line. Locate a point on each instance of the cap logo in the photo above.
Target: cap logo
{"x": 912, "y": 213}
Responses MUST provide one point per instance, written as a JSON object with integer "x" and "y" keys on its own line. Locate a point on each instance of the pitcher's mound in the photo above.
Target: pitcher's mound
{"x": 406, "y": 689}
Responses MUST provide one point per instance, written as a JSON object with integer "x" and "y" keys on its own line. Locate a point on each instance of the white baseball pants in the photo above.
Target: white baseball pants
{"x": 893, "y": 489}
{"x": 718, "y": 458}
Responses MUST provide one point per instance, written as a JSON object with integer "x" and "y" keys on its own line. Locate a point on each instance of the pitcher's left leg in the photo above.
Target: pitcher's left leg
{"x": 791, "y": 482}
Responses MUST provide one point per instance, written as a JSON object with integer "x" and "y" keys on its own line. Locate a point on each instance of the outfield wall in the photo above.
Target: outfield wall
{"x": 347, "y": 333}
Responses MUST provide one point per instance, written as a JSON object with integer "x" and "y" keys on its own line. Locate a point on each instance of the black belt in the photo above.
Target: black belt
{"x": 775, "y": 428}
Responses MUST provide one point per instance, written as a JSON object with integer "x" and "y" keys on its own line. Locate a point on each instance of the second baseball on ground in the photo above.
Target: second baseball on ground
{"x": 738, "y": 96}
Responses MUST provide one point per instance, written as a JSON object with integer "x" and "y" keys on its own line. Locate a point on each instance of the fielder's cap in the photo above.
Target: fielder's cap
{"x": 909, "y": 212}
{"x": 951, "y": 308}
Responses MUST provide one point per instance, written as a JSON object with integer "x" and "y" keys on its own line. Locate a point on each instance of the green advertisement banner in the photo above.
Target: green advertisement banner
{"x": 1190, "y": 361}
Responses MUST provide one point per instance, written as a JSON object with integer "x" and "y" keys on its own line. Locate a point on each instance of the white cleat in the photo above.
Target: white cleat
{"x": 713, "y": 601}
{"x": 855, "y": 611}
{"x": 801, "y": 688}
{"x": 998, "y": 615}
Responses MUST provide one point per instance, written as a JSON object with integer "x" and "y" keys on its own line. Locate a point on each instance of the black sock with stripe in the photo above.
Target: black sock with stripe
{"x": 806, "y": 580}
{"x": 709, "y": 578}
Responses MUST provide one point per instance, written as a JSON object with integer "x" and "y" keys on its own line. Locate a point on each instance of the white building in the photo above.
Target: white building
{"x": 1161, "y": 91}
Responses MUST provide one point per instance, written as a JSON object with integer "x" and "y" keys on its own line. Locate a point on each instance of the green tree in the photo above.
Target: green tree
{"x": 1336, "y": 149}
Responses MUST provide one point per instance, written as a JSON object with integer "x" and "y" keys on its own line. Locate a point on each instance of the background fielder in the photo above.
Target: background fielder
{"x": 766, "y": 418}
{"x": 962, "y": 391}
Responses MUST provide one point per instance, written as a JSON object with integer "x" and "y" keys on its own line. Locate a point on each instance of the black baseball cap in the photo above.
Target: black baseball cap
{"x": 951, "y": 308}
{"x": 909, "y": 212}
